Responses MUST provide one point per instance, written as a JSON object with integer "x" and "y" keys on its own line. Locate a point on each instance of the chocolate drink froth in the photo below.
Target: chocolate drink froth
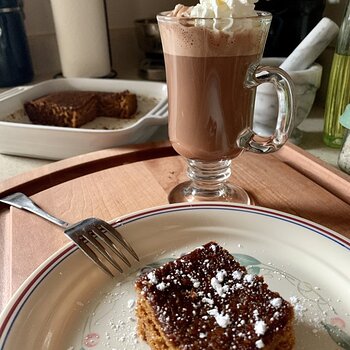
{"x": 209, "y": 103}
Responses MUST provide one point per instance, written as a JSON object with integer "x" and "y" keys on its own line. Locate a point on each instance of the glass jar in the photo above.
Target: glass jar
{"x": 344, "y": 155}
{"x": 338, "y": 93}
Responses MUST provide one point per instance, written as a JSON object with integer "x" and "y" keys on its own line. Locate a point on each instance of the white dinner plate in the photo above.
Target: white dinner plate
{"x": 19, "y": 137}
{"x": 69, "y": 304}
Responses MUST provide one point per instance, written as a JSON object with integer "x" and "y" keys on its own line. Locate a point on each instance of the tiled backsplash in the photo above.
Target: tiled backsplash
{"x": 121, "y": 16}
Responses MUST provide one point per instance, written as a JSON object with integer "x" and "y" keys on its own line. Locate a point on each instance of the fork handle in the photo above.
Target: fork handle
{"x": 21, "y": 201}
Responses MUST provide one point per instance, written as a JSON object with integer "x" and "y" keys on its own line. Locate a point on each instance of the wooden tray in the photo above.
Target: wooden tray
{"x": 114, "y": 182}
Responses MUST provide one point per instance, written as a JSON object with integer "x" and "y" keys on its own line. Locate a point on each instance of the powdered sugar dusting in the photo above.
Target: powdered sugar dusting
{"x": 221, "y": 319}
{"x": 111, "y": 322}
{"x": 152, "y": 277}
{"x": 206, "y": 290}
{"x": 276, "y": 302}
{"x": 260, "y": 327}
{"x": 237, "y": 275}
{"x": 162, "y": 286}
{"x": 259, "y": 344}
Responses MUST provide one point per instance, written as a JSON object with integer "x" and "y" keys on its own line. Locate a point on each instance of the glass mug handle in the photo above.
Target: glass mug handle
{"x": 248, "y": 139}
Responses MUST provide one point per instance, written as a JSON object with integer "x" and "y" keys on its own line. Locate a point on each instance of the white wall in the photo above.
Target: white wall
{"x": 121, "y": 15}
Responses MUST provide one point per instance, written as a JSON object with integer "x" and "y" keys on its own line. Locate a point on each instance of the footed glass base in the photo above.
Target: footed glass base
{"x": 185, "y": 192}
{"x": 209, "y": 181}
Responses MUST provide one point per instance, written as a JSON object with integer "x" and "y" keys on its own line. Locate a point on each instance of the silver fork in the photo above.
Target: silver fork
{"x": 93, "y": 236}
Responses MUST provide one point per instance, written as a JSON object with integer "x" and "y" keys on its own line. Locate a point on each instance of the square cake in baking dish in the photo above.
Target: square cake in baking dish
{"x": 207, "y": 300}
{"x": 76, "y": 108}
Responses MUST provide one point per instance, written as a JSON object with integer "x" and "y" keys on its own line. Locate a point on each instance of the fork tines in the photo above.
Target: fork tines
{"x": 96, "y": 240}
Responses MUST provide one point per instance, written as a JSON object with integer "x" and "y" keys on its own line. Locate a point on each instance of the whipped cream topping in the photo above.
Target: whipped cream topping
{"x": 224, "y": 8}
{"x": 229, "y": 35}
{"x": 217, "y": 9}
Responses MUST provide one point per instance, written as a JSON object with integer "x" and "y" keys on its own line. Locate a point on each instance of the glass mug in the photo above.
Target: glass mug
{"x": 212, "y": 70}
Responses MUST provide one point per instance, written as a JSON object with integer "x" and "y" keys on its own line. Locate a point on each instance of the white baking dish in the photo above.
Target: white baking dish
{"x": 19, "y": 137}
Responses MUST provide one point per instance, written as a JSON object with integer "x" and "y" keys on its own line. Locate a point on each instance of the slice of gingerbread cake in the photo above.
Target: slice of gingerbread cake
{"x": 75, "y": 108}
{"x": 207, "y": 300}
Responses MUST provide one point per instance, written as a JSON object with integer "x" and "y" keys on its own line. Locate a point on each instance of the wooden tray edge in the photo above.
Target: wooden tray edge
{"x": 330, "y": 178}
{"x": 61, "y": 171}
{"x": 34, "y": 181}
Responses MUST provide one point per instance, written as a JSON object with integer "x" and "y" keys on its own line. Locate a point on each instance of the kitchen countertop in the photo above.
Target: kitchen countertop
{"x": 312, "y": 134}
{"x": 311, "y": 141}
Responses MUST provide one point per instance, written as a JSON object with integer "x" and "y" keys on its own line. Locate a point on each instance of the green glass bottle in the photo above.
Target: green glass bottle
{"x": 338, "y": 94}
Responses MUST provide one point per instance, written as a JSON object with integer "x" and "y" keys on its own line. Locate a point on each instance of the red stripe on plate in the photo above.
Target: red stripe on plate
{"x": 29, "y": 286}
{"x": 281, "y": 215}
{"x": 167, "y": 209}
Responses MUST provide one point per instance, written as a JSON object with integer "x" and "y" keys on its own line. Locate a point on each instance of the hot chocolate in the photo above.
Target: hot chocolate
{"x": 207, "y": 71}
{"x": 212, "y": 54}
{"x": 211, "y": 104}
